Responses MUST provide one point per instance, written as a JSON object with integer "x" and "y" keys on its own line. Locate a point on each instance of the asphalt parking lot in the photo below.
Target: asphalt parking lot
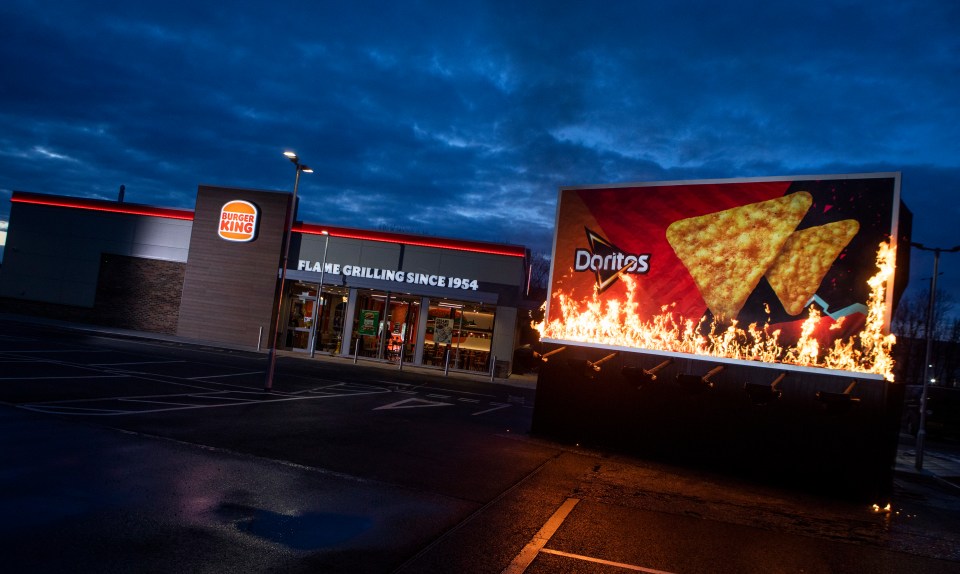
{"x": 130, "y": 454}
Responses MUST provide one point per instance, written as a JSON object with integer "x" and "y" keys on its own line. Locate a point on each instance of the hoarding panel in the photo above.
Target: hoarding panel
{"x": 757, "y": 251}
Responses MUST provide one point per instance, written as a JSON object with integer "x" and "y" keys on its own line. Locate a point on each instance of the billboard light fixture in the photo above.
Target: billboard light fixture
{"x": 698, "y": 383}
{"x": 838, "y": 402}
{"x": 763, "y": 394}
{"x": 639, "y": 376}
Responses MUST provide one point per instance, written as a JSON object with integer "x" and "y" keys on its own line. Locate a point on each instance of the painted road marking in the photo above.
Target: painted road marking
{"x": 412, "y": 389}
{"x": 156, "y": 402}
{"x": 540, "y": 539}
{"x": 67, "y": 407}
{"x": 64, "y": 377}
{"x": 68, "y": 410}
{"x": 133, "y": 363}
{"x": 110, "y": 373}
{"x": 604, "y": 562}
{"x": 226, "y": 375}
{"x": 496, "y": 408}
{"x": 27, "y": 352}
{"x": 412, "y": 404}
{"x": 537, "y": 545}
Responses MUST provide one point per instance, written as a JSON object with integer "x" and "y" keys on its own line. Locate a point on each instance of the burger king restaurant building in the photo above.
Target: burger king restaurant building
{"x": 213, "y": 275}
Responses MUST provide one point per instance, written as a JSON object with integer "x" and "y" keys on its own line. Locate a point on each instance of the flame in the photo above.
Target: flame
{"x": 615, "y": 322}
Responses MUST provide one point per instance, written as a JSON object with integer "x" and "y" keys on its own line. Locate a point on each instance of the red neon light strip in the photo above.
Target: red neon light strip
{"x": 101, "y": 205}
{"x": 307, "y": 228}
{"x": 420, "y": 241}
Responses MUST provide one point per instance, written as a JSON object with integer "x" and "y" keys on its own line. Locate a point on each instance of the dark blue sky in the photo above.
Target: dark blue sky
{"x": 463, "y": 118}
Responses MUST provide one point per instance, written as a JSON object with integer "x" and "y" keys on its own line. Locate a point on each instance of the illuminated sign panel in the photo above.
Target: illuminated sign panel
{"x": 380, "y": 274}
{"x": 691, "y": 267}
{"x": 238, "y": 221}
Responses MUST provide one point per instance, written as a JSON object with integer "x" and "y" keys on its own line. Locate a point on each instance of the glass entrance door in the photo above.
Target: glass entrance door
{"x": 402, "y": 324}
{"x": 302, "y": 297}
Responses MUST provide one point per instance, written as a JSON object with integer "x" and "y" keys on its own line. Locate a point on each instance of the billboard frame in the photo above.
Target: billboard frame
{"x": 889, "y": 294}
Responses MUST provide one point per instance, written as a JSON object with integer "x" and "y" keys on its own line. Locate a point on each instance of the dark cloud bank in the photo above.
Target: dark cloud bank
{"x": 463, "y": 119}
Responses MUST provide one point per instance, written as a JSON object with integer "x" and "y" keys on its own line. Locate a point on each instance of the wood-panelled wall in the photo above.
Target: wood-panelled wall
{"x": 230, "y": 288}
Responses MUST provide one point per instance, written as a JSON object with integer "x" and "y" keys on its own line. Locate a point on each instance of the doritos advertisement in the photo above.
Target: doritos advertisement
{"x": 747, "y": 251}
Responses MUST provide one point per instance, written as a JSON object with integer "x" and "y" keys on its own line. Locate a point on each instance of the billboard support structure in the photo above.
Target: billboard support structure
{"x": 688, "y": 293}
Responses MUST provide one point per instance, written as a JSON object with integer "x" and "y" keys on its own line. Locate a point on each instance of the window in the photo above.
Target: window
{"x": 460, "y": 333}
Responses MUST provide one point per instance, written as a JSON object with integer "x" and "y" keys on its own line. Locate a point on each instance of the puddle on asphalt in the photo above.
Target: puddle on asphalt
{"x": 309, "y": 531}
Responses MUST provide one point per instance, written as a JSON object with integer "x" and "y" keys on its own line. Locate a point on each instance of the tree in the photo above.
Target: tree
{"x": 909, "y": 324}
{"x": 539, "y": 270}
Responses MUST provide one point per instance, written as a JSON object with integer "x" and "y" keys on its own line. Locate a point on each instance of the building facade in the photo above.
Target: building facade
{"x": 214, "y": 275}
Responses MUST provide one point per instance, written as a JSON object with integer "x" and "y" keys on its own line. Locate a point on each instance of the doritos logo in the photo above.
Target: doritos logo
{"x": 238, "y": 221}
{"x": 607, "y": 261}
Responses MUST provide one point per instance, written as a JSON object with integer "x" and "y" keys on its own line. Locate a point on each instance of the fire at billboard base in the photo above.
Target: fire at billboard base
{"x": 740, "y": 325}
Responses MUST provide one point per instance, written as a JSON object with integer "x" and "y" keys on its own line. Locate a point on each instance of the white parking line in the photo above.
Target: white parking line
{"x": 540, "y": 539}
{"x": 156, "y": 402}
{"x": 62, "y": 351}
{"x": 496, "y": 408}
{"x": 68, "y": 410}
{"x": 134, "y": 363}
{"x": 537, "y": 545}
{"x": 412, "y": 388}
{"x": 604, "y": 562}
{"x": 227, "y": 375}
{"x": 256, "y": 398}
{"x": 65, "y": 377}
{"x": 222, "y": 398}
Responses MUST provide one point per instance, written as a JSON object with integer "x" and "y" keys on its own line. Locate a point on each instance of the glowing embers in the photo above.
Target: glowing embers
{"x": 616, "y": 323}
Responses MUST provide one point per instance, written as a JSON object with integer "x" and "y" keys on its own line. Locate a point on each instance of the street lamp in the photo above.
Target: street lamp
{"x": 287, "y": 233}
{"x": 922, "y": 430}
{"x": 323, "y": 268}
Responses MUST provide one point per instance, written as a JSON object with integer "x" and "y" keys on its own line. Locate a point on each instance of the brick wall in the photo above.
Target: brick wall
{"x": 132, "y": 293}
{"x": 140, "y": 294}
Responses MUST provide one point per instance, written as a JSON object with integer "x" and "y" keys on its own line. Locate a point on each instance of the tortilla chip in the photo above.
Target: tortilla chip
{"x": 727, "y": 252}
{"x": 808, "y": 254}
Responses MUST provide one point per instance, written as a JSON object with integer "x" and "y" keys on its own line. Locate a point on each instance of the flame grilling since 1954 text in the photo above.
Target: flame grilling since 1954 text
{"x": 615, "y": 322}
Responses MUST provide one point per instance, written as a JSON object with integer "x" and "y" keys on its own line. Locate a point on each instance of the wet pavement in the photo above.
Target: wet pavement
{"x": 387, "y": 472}
{"x": 78, "y": 498}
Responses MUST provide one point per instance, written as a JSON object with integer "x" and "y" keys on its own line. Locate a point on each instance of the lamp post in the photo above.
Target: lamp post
{"x": 287, "y": 235}
{"x": 316, "y": 307}
{"x": 922, "y": 427}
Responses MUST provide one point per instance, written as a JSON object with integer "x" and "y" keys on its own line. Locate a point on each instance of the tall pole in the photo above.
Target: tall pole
{"x": 287, "y": 234}
{"x": 922, "y": 430}
{"x": 316, "y": 310}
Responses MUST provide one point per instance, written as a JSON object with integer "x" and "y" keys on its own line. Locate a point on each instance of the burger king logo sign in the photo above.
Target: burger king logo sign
{"x": 238, "y": 221}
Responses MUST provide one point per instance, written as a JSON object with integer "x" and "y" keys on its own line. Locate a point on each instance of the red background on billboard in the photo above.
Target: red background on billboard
{"x": 635, "y": 220}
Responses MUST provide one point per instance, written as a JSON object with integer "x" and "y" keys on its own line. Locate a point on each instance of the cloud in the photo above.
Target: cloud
{"x": 463, "y": 119}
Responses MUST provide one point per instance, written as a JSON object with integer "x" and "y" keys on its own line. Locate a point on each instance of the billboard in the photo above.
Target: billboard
{"x": 789, "y": 270}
